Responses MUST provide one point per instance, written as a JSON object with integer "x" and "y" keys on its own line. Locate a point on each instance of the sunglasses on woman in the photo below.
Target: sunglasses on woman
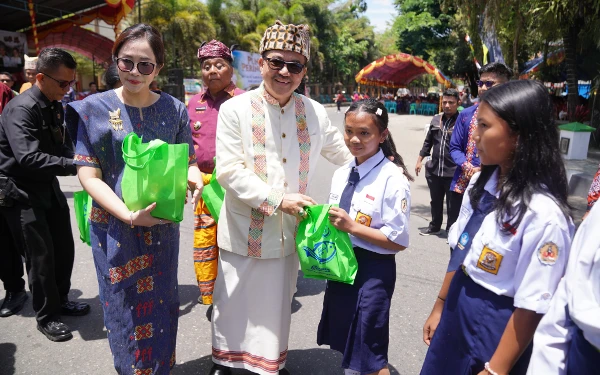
{"x": 278, "y": 64}
{"x": 144, "y": 67}
{"x": 61, "y": 84}
{"x": 487, "y": 84}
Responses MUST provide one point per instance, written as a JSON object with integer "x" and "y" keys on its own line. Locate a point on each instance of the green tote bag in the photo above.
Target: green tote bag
{"x": 83, "y": 206}
{"x": 155, "y": 172}
{"x": 324, "y": 251}
{"x": 213, "y": 195}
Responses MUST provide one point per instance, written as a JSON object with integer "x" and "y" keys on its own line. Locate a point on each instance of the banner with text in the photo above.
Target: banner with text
{"x": 247, "y": 72}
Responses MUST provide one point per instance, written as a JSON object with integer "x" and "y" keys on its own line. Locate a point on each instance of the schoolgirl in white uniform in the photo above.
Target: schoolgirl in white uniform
{"x": 567, "y": 341}
{"x": 374, "y": 205}
{"x": 511, "y": 241}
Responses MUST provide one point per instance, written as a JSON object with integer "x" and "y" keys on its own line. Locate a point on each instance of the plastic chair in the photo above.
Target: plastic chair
{"x": 392, "y": 107}
{"x": 413, "y": 109}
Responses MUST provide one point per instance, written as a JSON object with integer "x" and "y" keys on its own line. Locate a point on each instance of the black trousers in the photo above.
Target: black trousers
{"x": 45, "y": 237}
{"x": 11, "y": 264}
{"x": 339, "y": 105}
{"x": 455, "y": 203}
{"x": 439, "y": 187}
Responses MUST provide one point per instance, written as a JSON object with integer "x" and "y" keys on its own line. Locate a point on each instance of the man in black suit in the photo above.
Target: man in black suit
{"x": 34, "y": 149}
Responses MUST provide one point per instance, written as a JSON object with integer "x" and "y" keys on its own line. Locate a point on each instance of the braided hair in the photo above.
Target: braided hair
{"x": 380, "y": 115}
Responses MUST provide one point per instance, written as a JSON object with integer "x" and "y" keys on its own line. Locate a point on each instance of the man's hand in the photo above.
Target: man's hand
{"x": 293, "y": 204}
{"x": 340, "y": 219}
{"x": 418, "y": 167}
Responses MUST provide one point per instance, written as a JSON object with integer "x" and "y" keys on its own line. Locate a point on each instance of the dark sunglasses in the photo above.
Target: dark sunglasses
{"x": 277, "y": 64}
{"x": 144, "y": 67}
{"x": 62, "y": 84}
{"x": 487, "y": 84}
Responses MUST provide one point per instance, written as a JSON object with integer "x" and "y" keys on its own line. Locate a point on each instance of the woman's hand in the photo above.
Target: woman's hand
{"x": 196, "y": 195}
{"x": 341, "y": 220}
{"x": 142, "y": 218}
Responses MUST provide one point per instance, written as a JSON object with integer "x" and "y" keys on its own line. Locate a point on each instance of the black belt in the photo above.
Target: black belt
{"x": 363, "y": 253}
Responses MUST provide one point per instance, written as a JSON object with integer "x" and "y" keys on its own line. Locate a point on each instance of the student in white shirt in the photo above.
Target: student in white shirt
{"x": 567, "y": 341}
{"x": 374, "y": 207}
{"x": 511, "y": 240}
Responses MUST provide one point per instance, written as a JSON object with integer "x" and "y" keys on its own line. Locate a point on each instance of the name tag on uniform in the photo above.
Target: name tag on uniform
{"x": 334, "y": 197}
{"x": 200, "y": 109}
{"x": 489, "y": 260}
{"x": 369, "y": 199}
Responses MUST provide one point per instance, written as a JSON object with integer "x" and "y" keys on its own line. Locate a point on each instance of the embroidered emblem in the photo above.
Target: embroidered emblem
{"x": 197, "y": 125}
{"x": 87, "y": 159}
{"x": 148, "y": 238}
{"x": 370, "y": 197}
{"x": 363, "y": 219}
{"x": 463, "y": 240}
{"x": 145, "y": 284}
{"x": 144, "y": 355}
{"x": 548, "y": 253}
{"x": 99, "y": 215}
{"x": 118, "y": 274}
{"x": 145, "y": 371}
{"x": 143, "y": 332}
{"x": 115, "y": 119}
{"x": 404, "y": 205}
{"x": 489, "y": 260}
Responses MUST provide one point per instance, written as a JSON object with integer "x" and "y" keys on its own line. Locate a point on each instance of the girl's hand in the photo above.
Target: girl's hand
{"x": 341, "y": 220}
{"x": 431, "y": 325}
{"x": 142, "y": 218}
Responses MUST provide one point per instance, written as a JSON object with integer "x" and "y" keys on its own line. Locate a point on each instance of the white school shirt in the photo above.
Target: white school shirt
{"x": 526, "y": 264}
{"x": 579, "y": 291}
{"x": 381, "y": 200}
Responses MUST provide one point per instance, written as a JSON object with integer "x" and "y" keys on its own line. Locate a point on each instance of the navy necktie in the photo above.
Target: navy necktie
{"x": 348, "y": 192}
{"x": 485, "y": 206}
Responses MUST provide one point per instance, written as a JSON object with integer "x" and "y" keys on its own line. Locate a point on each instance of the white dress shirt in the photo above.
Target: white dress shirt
{"x": 381, "y": 200}
{"x": 526, "y": 264}
{"x": 576, "y": 303}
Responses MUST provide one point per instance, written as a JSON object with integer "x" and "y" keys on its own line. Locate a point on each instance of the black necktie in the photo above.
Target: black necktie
{"x": 348, "y": 192}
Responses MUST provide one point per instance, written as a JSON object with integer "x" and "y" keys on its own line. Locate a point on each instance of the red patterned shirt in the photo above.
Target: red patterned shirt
{"x": 594, "y": 192}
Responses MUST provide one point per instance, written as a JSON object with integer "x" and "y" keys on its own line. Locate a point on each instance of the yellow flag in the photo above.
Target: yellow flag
{"x": 485, "y": 54}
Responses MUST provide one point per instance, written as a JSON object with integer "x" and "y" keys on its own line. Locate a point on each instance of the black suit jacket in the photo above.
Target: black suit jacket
{"x": 35, "y": 148}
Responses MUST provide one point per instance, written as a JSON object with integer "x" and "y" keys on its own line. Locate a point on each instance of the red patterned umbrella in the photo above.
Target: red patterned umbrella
{"x": 398, "y": 70}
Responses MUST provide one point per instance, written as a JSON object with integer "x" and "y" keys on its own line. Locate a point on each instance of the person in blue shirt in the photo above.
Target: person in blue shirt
{"x": 462, "y": 145}
{"x": 374, "y": 207}
{"x": 511, "y": 241}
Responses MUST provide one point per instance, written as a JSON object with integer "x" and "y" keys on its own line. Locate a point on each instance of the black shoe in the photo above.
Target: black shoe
{"x": 219, "y": 370}
{"x": 209, "y": 313}
{"x": 429, "y": 231}
{"x": 55, "y": 330}
{"x": 13, "y": 303}
{"x": 71, "y": 308}
{"x": 284, "y": 371}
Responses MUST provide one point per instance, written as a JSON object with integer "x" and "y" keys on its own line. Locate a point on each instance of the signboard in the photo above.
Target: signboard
{"x": 12, "y": 48}
{"x": 246, "y": 68}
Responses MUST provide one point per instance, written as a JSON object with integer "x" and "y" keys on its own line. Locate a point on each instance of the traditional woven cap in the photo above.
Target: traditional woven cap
{"x": 30, "y": 62}
{"x": 214, "y": 49}
{"x": 287, "y": 38}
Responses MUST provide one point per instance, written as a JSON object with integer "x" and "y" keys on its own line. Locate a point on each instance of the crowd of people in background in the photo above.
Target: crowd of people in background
{"x": 520, "y": 294}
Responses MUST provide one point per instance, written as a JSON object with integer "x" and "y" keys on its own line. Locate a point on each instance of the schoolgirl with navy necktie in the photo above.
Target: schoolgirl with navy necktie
{"x": 374, "y": 207}
{"x": 567, "y": 341}
{"x": 511, "y": 241}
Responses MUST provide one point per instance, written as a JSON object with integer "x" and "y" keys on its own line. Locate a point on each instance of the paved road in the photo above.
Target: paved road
{"x": 420, "y": 268}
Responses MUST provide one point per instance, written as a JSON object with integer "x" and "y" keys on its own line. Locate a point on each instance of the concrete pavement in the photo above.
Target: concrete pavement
{"x": 420, "y": 269}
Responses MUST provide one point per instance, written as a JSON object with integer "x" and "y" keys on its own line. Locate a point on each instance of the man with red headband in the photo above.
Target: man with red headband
{"x": 268, "y": 144}
{"x": 203, "y": 109}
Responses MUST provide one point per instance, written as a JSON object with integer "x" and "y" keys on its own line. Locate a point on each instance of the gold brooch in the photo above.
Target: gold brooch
{"x": 197, "y": 125}
{"x": 115, "y": 119}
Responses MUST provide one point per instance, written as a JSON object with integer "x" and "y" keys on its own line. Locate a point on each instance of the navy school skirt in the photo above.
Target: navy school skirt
{"x": 472, "y": 323}
{"x": 583, "y": 357}
{"x": 355, "y": 319}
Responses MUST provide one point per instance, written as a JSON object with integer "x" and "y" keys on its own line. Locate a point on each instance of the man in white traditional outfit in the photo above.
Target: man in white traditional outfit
{"x": 268, "y": 145}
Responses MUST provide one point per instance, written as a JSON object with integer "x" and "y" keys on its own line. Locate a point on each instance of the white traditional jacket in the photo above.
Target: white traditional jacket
{"x": 263, "y": 152}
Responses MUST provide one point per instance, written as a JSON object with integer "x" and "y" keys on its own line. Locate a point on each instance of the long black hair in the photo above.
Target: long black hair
{"x": 537, "y": 166}
{"x": 388, "y": 147}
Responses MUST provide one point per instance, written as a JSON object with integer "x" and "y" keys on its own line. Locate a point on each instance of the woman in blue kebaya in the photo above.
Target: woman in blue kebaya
{"x": 374, "y": 207}
{"x": 510, "y": 243}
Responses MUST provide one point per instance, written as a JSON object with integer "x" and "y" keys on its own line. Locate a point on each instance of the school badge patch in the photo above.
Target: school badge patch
{"x": 404, "y": 205}
{"x": 489, "y": 260}
{"x": 363, "y": 219}
{"x": 463, "y": 240}
{"x": 548, "y": 253}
